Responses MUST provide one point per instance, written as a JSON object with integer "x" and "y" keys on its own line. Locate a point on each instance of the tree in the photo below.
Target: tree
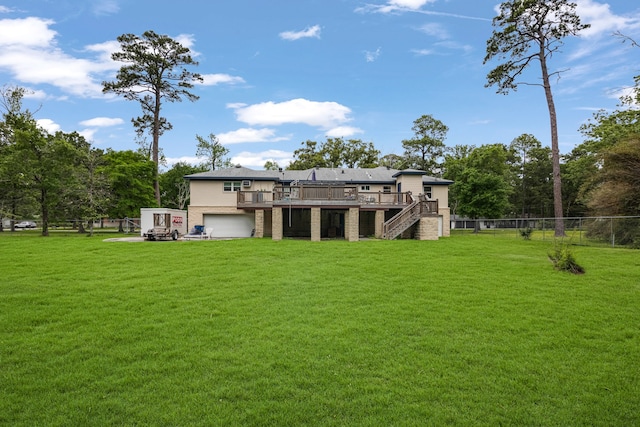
{"x": 582, "y": 164}
{"x": 271, "y": 165}
{"x": 307, "y": 157}
{"x": 175, "y": 189}
{"x": 618, "y": 190}
{"x": 154, "y": 72}
{"x": 34, "y": 164}
{"x": 481, "y": 188}
{"x": 455, "y": 162}
{"x": 93, "y": 192}
{"x": 393, "y": 161}
{"x": 632, "y": 98}
{"x": 13, "y": 183}
{"x": 425, "y": 150}
{"x": 212, "y": 151}
{"x": 359, "y": 154}
{"x": 131, "y": 179}
{"x": 335, "y": 153}
{"x": 352, "y": 153}
{"x": 532, "y": 30}
{"x": 532, "y": 175}
{"x": 38, "y": 168}
{"x": 49, "y": 163}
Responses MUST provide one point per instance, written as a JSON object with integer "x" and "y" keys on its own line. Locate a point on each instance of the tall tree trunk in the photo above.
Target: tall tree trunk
{"x": 155, "y": 149}
{"x": 555, "y": 151}
{"x": 45, "y": 213}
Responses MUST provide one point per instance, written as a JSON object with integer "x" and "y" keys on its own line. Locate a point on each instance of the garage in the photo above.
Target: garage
{"x": 241, "y": 225}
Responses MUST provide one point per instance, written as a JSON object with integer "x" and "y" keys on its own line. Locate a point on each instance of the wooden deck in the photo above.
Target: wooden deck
{"x": 322, "y": 196}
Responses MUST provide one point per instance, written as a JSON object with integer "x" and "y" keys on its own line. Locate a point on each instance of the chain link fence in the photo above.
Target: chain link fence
{"x": 612, "y": 231}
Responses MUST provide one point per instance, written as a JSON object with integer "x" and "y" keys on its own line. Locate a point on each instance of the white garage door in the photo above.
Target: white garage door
{"x": 230, "y": 225}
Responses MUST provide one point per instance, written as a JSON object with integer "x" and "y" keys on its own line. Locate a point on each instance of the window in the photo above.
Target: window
{"x": 364, "y": 188}
{"x": 386, "y": 189}
{"x": 232, "y": 185}
{"x": 427, "y": 191}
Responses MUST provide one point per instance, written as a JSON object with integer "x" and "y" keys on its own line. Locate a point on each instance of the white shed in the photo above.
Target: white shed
{"x": 178, "y": 219}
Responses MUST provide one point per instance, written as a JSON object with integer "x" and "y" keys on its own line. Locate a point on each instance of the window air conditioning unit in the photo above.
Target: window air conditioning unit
{"x": 246, "y": 183}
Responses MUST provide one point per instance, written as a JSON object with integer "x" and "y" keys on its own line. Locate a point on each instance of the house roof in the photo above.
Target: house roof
{"x": 236, "y": 173}
{"x": 379, "y": 175}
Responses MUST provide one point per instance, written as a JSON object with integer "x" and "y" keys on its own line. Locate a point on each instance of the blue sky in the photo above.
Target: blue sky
{"x": 280, "y": 72}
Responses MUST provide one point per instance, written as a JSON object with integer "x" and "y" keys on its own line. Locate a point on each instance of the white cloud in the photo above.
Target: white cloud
{"x": 423, "y": 52}
{"x": 309, "y": 32}
{"x": 105, "y": 7}
{"x": 4, "y": 9}
{"x": 454, "y": 46}
{"x": 449, "y": 45}
{"x": 102, "y": 122}
{"x": 372, "y": 56}
{"x": 216, "y": 79}
{"x": 104, "y": 51}
{"x": 478, "y": 122}
{"x": 413, "y": 6}
{"x": 28, "y": 51}
{"x": 435, "y": 30}
{"x": 27, "y": 32}
{"x": 626, "y": 92}
{"x": 190, "y": 160}
{"x": 603, "y": 21}
{"x": 257, "y": 160}
{"x": 325, "y": 115}
{"x": 48, "y": 125}
{"x": 186, "y": 40}
{"x": 236, "y": 105}
{"x": 250, "y": 135}
{"x": 410, "y": 4}
{"x": 88, "y": 133}
{"x": 395, "y": 6}
{"x": 34, "y": 94}
{"x": 343, "y": 131}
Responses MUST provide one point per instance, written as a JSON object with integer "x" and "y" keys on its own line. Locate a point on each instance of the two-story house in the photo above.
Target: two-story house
{"x": 320, "y": 203}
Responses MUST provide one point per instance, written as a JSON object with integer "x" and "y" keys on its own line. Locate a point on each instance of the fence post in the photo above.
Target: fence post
{"x": 580, "y": 222}
{"x": 613, "y": 235}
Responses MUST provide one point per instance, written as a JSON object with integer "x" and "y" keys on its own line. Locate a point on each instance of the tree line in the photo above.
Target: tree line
{"x": 62, "y": 176}
{"x": 515, "y": 179}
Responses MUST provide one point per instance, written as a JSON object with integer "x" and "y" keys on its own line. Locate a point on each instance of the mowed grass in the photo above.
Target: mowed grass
{"x": 467, "y": 330}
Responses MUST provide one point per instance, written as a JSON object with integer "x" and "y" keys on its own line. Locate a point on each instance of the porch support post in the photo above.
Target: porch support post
{"x": 428, "y": 228}
{"x": 446, "y": 221}
{"x": 379, "y": 224}
{"x": 315, "y": 224}
{"x": 353, "y": 225}
{"x": 259, "y": 223}
{"x": 276, "y": 225}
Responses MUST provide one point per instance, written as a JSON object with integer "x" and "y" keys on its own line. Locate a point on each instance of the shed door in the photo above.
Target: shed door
{"x": 240, "y": 225}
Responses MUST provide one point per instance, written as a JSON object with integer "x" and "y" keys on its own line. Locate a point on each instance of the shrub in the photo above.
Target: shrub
{"x": 526, "y": 233}
{"x": 563, "y": 259}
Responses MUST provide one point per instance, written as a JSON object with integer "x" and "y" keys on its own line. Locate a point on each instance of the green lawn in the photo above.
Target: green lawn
{"x": 469, "y": 330}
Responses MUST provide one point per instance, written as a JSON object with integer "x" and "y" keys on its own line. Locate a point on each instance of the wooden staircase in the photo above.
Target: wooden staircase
{"x": 409, "y": 216}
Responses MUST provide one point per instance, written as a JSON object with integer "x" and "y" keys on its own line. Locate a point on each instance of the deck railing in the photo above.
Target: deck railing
{"x": 322, "y": 193}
